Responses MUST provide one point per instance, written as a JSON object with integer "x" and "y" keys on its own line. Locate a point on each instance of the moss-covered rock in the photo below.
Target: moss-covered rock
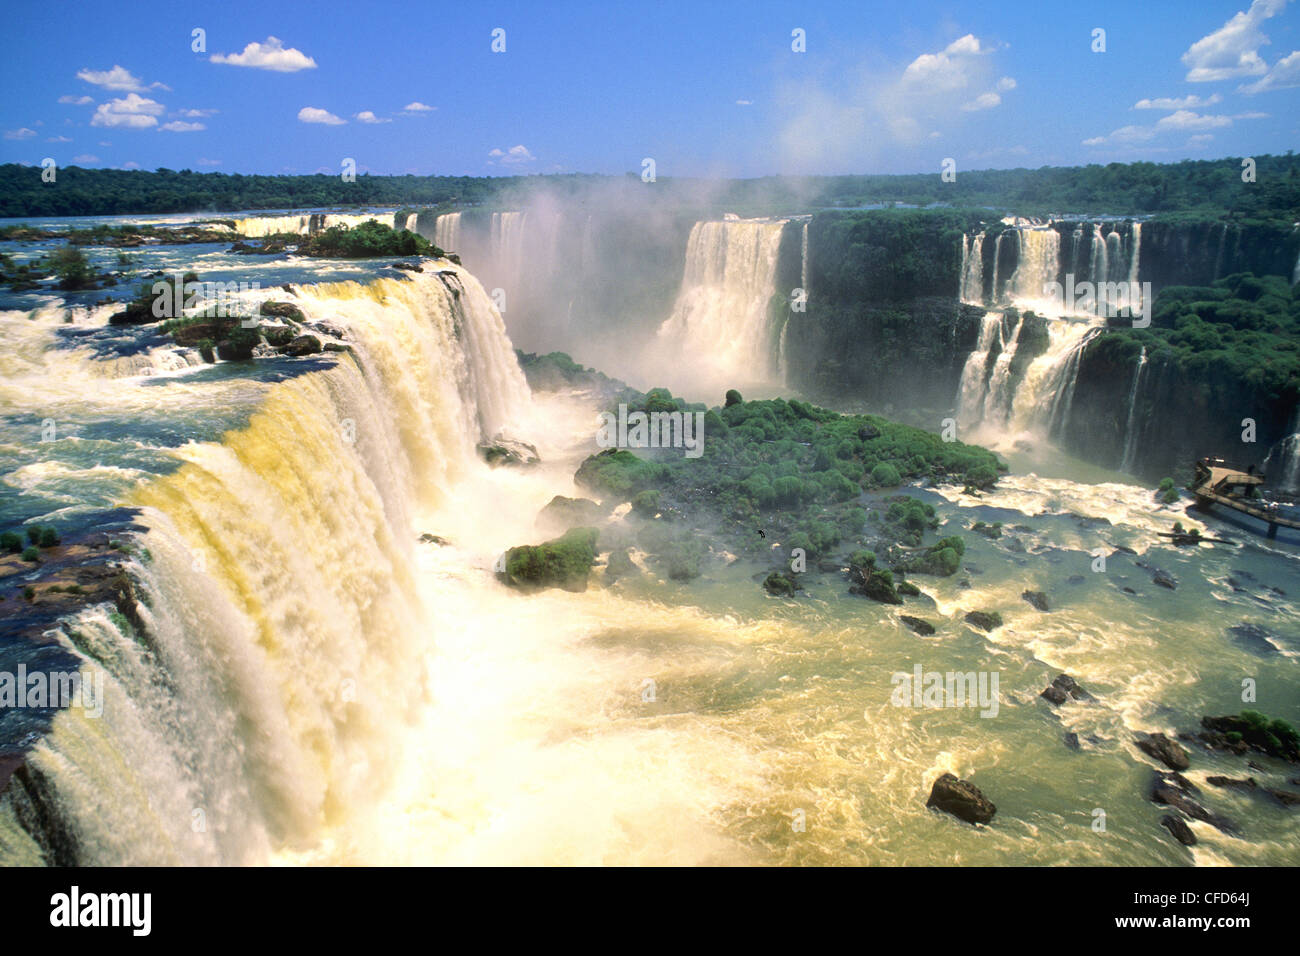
{"x": 561, "y": 563}
{"x": 780, "y": 584}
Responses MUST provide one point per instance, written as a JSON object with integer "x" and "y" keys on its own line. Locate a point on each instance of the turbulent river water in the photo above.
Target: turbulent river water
{"x": 319, "y": 686}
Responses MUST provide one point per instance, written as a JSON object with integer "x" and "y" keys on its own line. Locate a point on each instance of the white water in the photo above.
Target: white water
{"x": 1037, "y": 264}
{"x": 720, "y": 332}
{"x": 446, "y": 232}
{"x": 507, "y": 247}
{"x": 257, "y": 227}
{"x": 1130, "y": 427}
{"x": 970, "y": 395}
{"x": 972, "y": 270}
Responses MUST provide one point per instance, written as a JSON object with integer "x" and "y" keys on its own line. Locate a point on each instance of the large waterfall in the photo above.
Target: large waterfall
{"x": 286, "y": 631}
{"x": 446, "y": 232}
{"x": 1038, "y": 261}
{"x": 1131, "y": 425}
{"x": 721, "y": 331}
{"x": 256, "y": 227}
{"x": 972, "y": 269}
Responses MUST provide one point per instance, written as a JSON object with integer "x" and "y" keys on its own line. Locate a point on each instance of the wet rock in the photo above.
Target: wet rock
{"x": 232, "y": 350}
{"x": 1036, "y": 598}
{"x": 962, "y": 799}
{"x": 1164, "y": 793}
{"x": 620, "y": 565}
{"x": 1169, "y": 752}
{"x": 1064, "y": 687}
{"x": 1284, "y": 797}
{"x": 920, "y": 626}
{"x": 1253, "y": 638}
{"x": 1239, "y": 733}
{"x": 508, "y": 452}
{"x": 562, "y": 513}
{"x": 1014, "y": 545}
{"x": 1231, "y": 783}
{"x": 1164, "y": 579}
{"x": 1177, "y": 826}
{"x": 303, "y": 345}
{"x": 283, "y": 310}
{"x": 407, "y": 266}
{"x": 1055, "y": 694}
{"x": 428, "y": 538}
{"x": 1072, "y": 741}
{"x": 1075, "y": 579}
{"x": 984, "y": 620}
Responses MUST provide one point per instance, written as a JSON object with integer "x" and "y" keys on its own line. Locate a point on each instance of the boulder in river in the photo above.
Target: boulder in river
{"x": 962, "y": 799}
{"x": 1179, "y": 828}
{"x": 1169, "y": 752}
{"x": 1037, "y": 598}
{"x": 920, "y": 626}
{"x": 984, "y": 620}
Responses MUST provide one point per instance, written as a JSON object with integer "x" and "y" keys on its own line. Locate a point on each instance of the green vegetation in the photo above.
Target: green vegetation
{"x": 1206, "y": 186}
{"x": 370, "y": 240}
{"x": 73, "y": 269}
{"x": 1235, "y": 342}
{"x": 563, "y": 562}
{"x": 1274, "y": 737}
{"x": 11, "y": 542}
{"x": 31, "y": 554}
{"x": 942, "y": 558}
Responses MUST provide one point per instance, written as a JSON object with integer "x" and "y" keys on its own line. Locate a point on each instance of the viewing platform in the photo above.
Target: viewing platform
{"x": 1215, "y": 481}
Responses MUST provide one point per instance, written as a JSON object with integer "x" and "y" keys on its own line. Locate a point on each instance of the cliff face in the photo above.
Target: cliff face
{"x": 883, "y": 325}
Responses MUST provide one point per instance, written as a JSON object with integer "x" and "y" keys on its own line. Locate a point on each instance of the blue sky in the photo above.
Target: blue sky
{"x": 704, "y": 89}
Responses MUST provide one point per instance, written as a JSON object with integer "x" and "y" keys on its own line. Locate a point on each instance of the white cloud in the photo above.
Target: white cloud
{"x": 1176, "y": 103}
{"x": 58, "y": 139}
{"x": 946, "y": 71}
{"x": 1285, "y": 75}
{"x": 985, "y": 101}
{"x": 310, "y": 114}
{"x": 514, "y": 156}
{"x": 1006, "y": 83}
{"x": 418, "y": 107}
{"x": 85, "y": 158}
{"x": 180, "y": 126}
{"x": 118, "y": 78}
{"x": 21, "y": 133}
{"x": 195, "y": 114}
{"x": 77, "y": 100}
{"x": 366, "y": 116}
{"x": 271, "y": 55}
{"x": 1187, "y": 120}
{"x": 1233, "y": 49}
{"x": 130, "y": 165}
{"x": 131, "y": 111}
{"x": 744, "y": 102}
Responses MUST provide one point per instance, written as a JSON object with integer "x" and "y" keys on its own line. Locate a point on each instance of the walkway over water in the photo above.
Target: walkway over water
{"x": 1217, "y": 481}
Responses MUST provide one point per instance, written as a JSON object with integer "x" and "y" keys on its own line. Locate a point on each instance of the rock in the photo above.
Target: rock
{"x": 1055, "y": 694}
{"x": 1163, "y": 792}
{"x": 1164, "y": 579}
{"x": 284, "y": 310}
{"x": 1177, "y": 826}
{"x": 1230, "y": 783}
{"x": 1014, "y": 545}
{"x": 1037, "y": 598}
{"x": 231, "y": 350}
{"x": 1253, "y": 638}
{"x": 1239, "y": 733}
{"x": 197, "y": 332}
{"x": 781, "y": 585}
{"x": 508, "y": 452}
{"x": 962, "y": 799}
{"x": 1072, "y": 741}
{"x": 562, "y": 563}
{"x": 427, "y": 538}
{"x": 303, "y": 345}
{"x": 407, "y": 266}
{"x": 875, "y": 584}
{"x": 1169, "y": 752}
{"x": 1075, "y": 579}
{"x": 620, "y": 565}
{"x": 922, "y": 627}
{"x": 908, "y": 589}
{"x": 1285, "y": 797}
{"x": 984, "y": 620}
{"x": 564, "y": 513}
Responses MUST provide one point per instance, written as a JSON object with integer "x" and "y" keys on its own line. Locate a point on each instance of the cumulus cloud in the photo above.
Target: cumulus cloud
{"x": 195, "y": 114}
{"x": 418, "y": 107}
{"x": 58, "y": 139}
{"x": 310, "y": 114}
{"x": 131, "y": 111}
{"x": 985, "y": 101}
{"x": 180, "y": 126}
{"x": 270, "y": 55}
{"x": 1232, "y": 50}
{"x": 1177, "y": 121}
{"x": 1285, "y": 75}
{"x": 77, "y": 100}
{"x": 118, "y": 78}
{"x": 366, "y": 116}
{"x": 514, "y": 156}
{"x": 1191, "y": 101}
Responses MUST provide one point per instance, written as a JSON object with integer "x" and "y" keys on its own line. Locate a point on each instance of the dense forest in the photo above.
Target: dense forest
{"x": 1202, "y": 187}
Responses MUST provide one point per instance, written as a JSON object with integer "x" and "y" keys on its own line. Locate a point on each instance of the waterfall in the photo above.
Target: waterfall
{"x": 972, "y": 269}
{"x": 446, "y": 232}
{"x": 507, "y": 248}
{"x": 412, "y": 222}
{"x": 1100, "y": 267}
{"x": 1045, "y": 395}
{"x": 1130, "y": 427}
{"x": 1135, "y": 255}
{"x": 721, "y": 319}
{"x": 1295, "y": 273}
{"x": 286, "y": 629}
{"x": 783, "y": 366}
{"x": 257, "y": 227}
{"x": 970, "y": 395}
{"x": 1038, "y": 263}
{"x": 995, "y": 292}
{"x": 1000, "y": 393}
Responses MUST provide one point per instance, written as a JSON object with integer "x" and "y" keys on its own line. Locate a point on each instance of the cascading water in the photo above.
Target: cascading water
{"x": 1037, "y": 264}
{"x": 999, "y": 393}
{"x": 507, "y": 245}
{"x": 257, "y": 227}
{"x": 970, "y": 395}
{"x": 995, "y": 290}
{"x": 972, "y": 269}
{"x": 783, "y": 364}
{"x": 446, "y": 232}
{"x": 720, "y": 324}
{"x": 285, "y": 626}
{"x": 1130, "y": 427}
